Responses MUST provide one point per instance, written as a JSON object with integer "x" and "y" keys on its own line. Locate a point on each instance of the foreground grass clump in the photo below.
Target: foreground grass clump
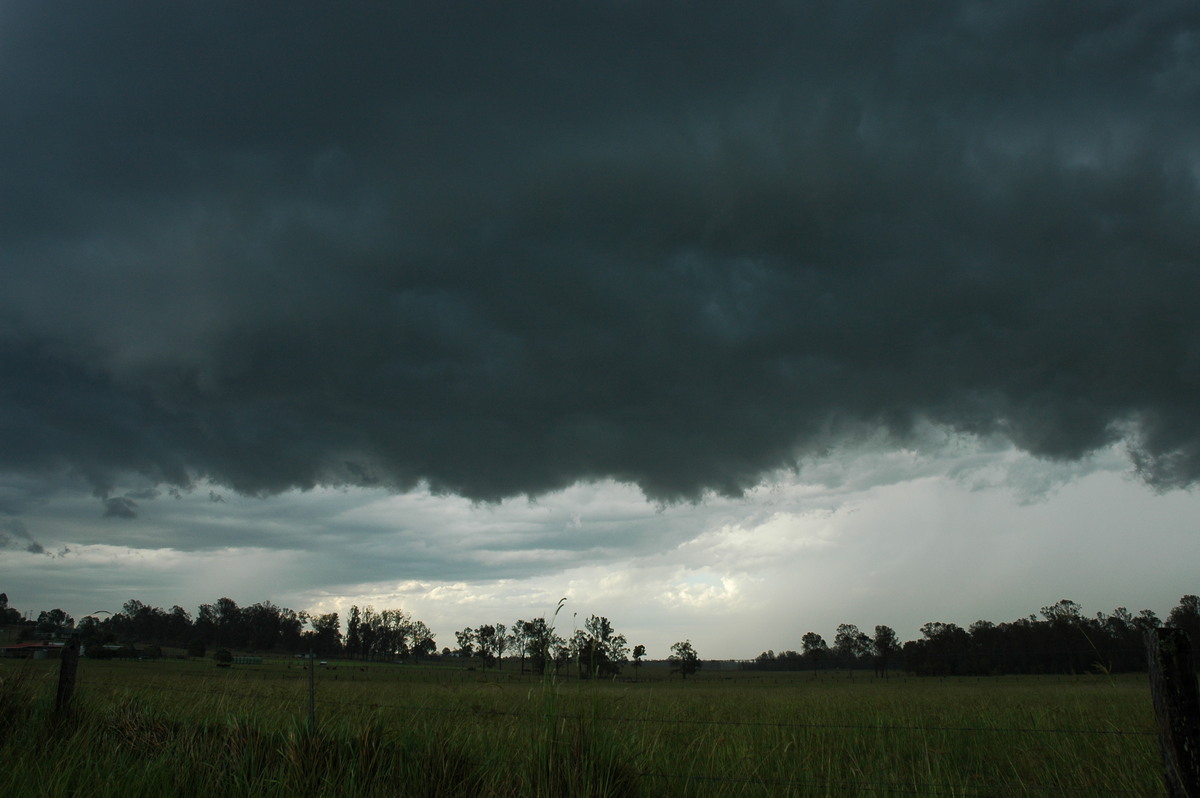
{"x": 150, "y": 741}
{"x": 131, "y": 749}
{"x": 187, "y": 728}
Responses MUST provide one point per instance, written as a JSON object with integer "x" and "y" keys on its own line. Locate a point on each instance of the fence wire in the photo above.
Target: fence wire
{"x": 299, "y": 696}
{"x": 377, "y": 705}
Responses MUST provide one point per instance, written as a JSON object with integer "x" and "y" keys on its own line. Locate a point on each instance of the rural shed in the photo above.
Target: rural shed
{"x": 33, "y": 651}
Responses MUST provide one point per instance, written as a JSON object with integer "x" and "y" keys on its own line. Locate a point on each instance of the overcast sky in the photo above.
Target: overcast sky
{"x": 725, "y": 321}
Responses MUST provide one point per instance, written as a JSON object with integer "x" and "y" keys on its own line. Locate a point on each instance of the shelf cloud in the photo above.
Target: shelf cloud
{"x": 501, "y": 249}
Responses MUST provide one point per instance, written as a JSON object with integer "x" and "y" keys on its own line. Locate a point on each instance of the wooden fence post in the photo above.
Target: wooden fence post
{"x": 1176, "y": 697}
{"x": 68, "y": 663}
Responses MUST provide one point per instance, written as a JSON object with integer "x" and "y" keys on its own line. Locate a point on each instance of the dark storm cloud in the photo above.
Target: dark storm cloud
{"x": 505, "y": 247}
{"x": 120, "y": 507}
{"x": 14, "y": 535}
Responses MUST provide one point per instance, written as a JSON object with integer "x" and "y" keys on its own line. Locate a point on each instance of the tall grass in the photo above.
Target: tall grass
{"x": 154, "y": 728}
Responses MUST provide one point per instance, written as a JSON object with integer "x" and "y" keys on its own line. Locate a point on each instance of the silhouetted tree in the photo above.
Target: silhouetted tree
{"x": 391, "y": 635}
{"x": 368, "y": 631}
{"x": 206, "y": 623}
{"x": 942, "y": 647}
{"x": 422, "y": 640}
{"x": 598, "y": 650}
{"x": 178, "y": 625}
{"x": 8, "y": 614}
{"x": 500, "y": 643}
{"x": 466, "y": 642}
{"x": 850, "y": 644}
{"x": 231, "y": 631}
{"x": 261, "y": 625}
{"x": 684, "y": 659}
{"x": 639, "y": 651}
{"x": 1186, "y": 616}
{"x": 54, "y": 621}
{"x": 885, "y": 645}
{"x": 815, "y": 648}
{"x": 353, "y": 637}
{"x": 543, "y": 645}
{"x": 326, "y": 634}
{"x": 485, "y": 644}
{"x": 520, "y": 640}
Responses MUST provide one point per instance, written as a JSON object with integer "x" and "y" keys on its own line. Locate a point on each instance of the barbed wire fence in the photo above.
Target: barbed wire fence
{"x": 930, "y": 789}
{"x": 1173, "y": 689}
{"x": 663, "y": 781}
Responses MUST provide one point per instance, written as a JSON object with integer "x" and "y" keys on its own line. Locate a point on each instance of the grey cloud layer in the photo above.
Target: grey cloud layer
{"x": 507, "y": 248}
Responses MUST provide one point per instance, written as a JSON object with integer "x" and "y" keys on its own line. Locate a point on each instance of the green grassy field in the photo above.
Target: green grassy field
{"x": 189, "y": 728}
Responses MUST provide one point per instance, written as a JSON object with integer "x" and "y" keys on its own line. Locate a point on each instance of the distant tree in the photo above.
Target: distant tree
{"x": 598, "y": 651}
{"x": 178, "y": 625}
{"x": 684, "y": 659}
{"x": 223, "y": 657}
{"x": 639, "y": 651}
{"x": 1068, "y": 639}
{"x": 326, "y": 634}
{"x": 944, "y": 651}
{"x": 138, "y": 621}
{"x": 466, "y": 642}
{"x": 542, "y": 644}
{"x": 353, "y": 637}
{"x": 291, "y": 628}
{"x": 582, "y": 652}
{"x": 1123, "y": 644}
{"x": 1147, "y": 620}
{"x": 261, "y": 623}
{"x": 1120, "y": 619}
{"x": 520, "y": 640}
{"x": 8, "y": 614}
{"x": 88, "y": 627}
{"x": 485, "y": 644}
{"x": 885, "y": 646}
{"x": 986, "y": 648}
{"x": 850, "y": 644}
{"x": 815, "y": 648}
{"x": 1186, "y": 616}
{"x": 206, "y": 623}
{"x": 501, "y": 642}
{"x": 1064, "y": 611}
{"x": 422, "y": 640}
{"x": 135, "y": 619}
{"x": 231, "y": 631}
{"x": 196, "y": 649}
{"x": 368, "y": 631}
{"x": 617, "y": 655}
{"x": 787, "y": 660}
{"x": 560, "y": 654}
{"x": 391, "y": 633}
{"x": 54, "y": 621}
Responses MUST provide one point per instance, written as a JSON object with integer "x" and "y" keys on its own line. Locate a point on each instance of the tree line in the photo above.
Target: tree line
{"x": 387, "y": 635}
{"x": 595, "y": 651}
{"x": 264, "y": 626}
{"x": 1062, "y": 640}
